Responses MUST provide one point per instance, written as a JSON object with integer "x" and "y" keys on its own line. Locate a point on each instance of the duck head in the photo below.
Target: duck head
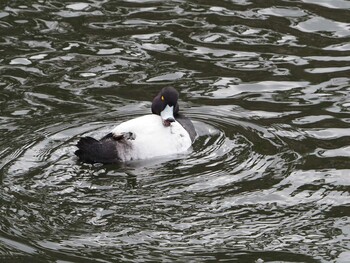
{"x": 165, "y": 105}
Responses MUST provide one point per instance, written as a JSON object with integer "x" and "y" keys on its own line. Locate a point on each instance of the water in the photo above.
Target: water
{"x": 267, "y": 85}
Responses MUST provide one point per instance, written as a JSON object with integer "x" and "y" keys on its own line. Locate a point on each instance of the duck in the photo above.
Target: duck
{"x": 162, "y": 133}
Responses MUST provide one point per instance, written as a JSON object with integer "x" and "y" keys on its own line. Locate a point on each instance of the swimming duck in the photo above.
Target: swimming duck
{"x": 164, "y": 132}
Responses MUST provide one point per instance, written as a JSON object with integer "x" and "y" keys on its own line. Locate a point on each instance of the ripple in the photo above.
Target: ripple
{"x": 338, "y": 4}
{"x": 20, "y": 61}
{"x": 266, "y": 86}
{"x": 328, "y": 134}
{"x": 312, "y": 119}
{"x": 78, "y": 6}
{"x": 320, "y": 24}
{"x": 283, "y": 12}
{"x": 340, "y": 152}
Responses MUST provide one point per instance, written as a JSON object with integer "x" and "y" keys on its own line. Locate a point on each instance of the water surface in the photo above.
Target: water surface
{"x": 267, "y": 85}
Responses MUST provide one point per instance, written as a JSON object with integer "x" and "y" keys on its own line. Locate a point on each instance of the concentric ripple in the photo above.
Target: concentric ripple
{"x": 267, "y": 87}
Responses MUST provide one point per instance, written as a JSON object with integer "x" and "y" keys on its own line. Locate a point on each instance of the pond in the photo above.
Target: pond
{"x": 267, "y": 86}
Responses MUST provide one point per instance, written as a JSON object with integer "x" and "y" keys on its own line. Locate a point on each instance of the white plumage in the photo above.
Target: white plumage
{"x": 152, "y": 138}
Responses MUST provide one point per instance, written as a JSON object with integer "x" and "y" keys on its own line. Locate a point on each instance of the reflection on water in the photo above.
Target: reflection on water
{"x": 267, "y": 87}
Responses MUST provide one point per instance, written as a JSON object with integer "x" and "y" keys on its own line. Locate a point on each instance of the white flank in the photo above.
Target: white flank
{"x": 152, "y": 138}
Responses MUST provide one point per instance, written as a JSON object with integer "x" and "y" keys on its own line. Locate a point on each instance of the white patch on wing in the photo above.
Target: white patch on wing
{"x": 152, "y": 138}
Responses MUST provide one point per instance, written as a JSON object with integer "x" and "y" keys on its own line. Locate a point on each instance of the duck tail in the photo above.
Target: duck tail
{"x": 91, "y": 150}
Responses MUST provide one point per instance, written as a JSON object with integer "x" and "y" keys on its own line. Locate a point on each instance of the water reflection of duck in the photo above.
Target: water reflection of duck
{"x": 165, "y": 132}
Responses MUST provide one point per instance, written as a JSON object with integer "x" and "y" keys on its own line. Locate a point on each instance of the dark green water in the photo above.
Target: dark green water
{"x": 267, "y": 84}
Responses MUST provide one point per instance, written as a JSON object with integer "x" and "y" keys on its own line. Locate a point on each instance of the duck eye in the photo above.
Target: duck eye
{"x": 162, "y": 98}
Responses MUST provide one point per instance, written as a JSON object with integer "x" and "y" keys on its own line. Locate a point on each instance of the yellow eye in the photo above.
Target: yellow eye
{"x": 162, "y": 97}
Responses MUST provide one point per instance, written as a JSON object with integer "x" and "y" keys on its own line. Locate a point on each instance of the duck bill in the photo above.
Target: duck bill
{"x": 167, "y": 115}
